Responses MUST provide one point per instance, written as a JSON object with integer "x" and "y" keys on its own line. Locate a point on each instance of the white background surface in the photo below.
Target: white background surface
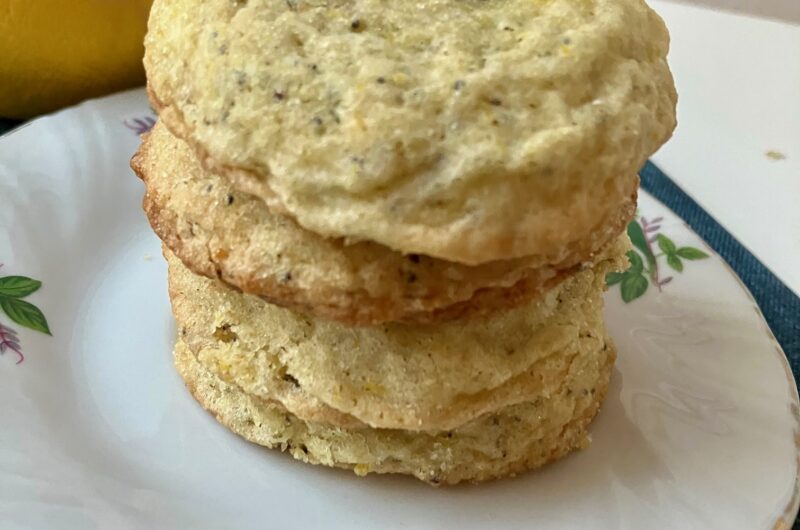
{"x": 788, "y": 10}
{"x": 738, "y": 77}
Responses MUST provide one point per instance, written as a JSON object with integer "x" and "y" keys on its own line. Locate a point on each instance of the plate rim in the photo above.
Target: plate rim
{"x": 788, "y": 515}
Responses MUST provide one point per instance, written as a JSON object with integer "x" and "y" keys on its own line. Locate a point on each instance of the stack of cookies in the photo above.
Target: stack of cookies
{"x": 388, "y": 224}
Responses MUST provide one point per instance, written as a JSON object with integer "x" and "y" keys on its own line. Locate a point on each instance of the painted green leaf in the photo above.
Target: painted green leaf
{"x": 24, "y": 313}
{"x": 18, "y": 286}
{"x": 691, "y": 253}
{"x": 639, "y": 240}
{"x": 665, "y": 244}
{"x": 675, "y": 262}
{"x": 613, "y": 278}
{"x": 636, "y": 262}
{"x": 633, "y": 286}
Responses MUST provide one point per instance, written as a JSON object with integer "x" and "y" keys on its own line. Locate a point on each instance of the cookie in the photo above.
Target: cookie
{"x": 396, "y": 375}
{"x": 222, "y": 233}
{"x": 503, "y": 443}
{"x": 470, "y": 131}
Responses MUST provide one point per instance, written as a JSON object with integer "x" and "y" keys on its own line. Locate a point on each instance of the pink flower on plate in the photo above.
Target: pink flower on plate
{"x": 140, "y": 125}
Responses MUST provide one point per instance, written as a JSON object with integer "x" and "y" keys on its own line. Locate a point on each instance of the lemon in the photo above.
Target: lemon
{"x": 55, "y": 52}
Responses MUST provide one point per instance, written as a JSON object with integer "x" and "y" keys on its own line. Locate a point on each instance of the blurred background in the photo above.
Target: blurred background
{"x": 55, "y": 53}
{"x": 788, "y": 10}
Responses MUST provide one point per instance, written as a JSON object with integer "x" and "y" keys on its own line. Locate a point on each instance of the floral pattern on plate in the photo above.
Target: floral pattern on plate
{"x": 12, "y": 291}
{"x": 645, "y": 265}
{"x": 699, "y": 428}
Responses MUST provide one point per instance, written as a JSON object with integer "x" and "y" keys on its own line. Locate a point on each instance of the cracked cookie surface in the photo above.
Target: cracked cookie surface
{"x": 228, "y": 235}
{"x": 511, "y": 440}
{"x": 471, "y": 131}
{"x": 395, "y": 375}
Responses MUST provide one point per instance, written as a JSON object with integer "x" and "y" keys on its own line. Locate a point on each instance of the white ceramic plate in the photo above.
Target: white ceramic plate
{"x": 699, "y": 429}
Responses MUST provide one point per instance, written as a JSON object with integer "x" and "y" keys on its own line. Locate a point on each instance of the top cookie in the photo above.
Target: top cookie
{"x": 466, "y": 130}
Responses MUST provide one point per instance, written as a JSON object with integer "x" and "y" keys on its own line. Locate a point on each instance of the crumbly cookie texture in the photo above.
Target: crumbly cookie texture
{"x": 228, "y": 235}
{"x": 499, "y": 444}
{"x": 391, "y": 376}
{"x": 472, "y": 131}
